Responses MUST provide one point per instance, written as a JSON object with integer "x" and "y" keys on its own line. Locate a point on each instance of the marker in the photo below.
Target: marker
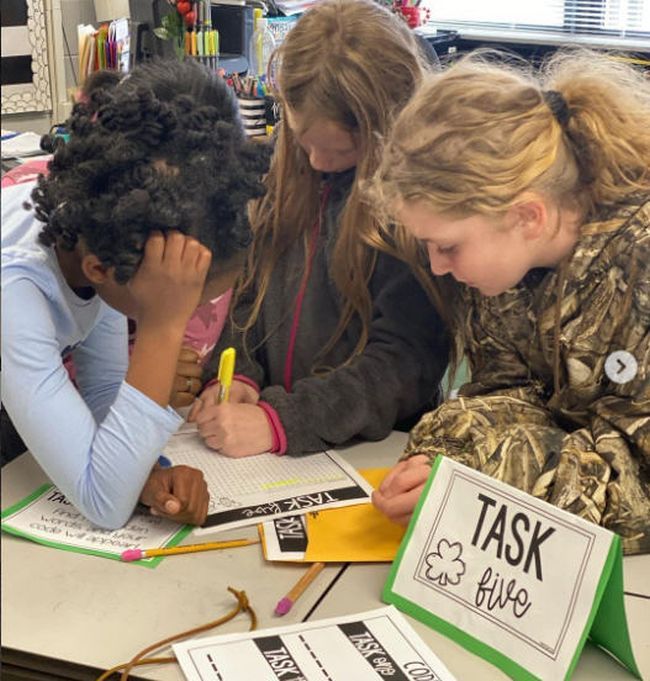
{"x": 225, "y": 373}
{"x": 214, "y": 47}
{"x": 138, "y": 554}
{"x": 285, "y": 604}
{"x": 198, "y": 29}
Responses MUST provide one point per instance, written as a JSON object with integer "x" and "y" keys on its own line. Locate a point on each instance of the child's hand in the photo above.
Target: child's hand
{"x": 187, "y": 381}
{"x": 234, "y": 429}
{"x": 240, "y": 393}
{"x": 398, "y": 494}
{"x": 167, "y": 287}
{"x": 178, "y": 493}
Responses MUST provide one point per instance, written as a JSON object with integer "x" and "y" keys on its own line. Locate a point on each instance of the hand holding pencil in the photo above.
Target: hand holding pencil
{"x": 224, "y": 387}
{"x": 234, "y": 428}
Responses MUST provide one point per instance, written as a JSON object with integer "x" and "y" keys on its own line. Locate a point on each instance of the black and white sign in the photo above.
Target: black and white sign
{"x": 510, "y": 571}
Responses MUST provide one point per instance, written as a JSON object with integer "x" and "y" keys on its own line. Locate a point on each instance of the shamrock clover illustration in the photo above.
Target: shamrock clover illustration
{"x": 445, "y": 565}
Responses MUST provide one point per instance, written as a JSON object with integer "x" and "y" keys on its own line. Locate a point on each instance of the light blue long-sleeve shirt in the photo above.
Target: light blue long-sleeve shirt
{"x": 99, "y": 443}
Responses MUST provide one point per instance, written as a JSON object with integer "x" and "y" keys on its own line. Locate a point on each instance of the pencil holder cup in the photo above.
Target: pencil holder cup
{"x": 253, "y": 115}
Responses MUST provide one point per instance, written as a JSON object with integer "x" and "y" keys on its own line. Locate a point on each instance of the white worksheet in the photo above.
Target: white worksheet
{"x": 48, "y": 518}
{"x": 254, "y": 488}
{"x": 379, "y": 644}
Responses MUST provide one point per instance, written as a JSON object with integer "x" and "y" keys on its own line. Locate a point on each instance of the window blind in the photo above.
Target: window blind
{"x": 624, "y": 23}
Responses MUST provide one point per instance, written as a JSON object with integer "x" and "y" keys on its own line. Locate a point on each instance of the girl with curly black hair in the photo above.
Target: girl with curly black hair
{"x": 142, "y": 214}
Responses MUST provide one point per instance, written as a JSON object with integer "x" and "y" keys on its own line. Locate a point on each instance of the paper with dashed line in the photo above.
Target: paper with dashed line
{"x": 247, "y": 490}
{"x": 379, "y": 644}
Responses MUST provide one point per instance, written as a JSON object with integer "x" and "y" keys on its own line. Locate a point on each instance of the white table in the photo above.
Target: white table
{"x": 63, "y": 611}
{"x": 71, "y": 614}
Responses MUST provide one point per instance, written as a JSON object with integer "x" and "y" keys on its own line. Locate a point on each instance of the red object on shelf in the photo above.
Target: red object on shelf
{"x": 415, "y": 16}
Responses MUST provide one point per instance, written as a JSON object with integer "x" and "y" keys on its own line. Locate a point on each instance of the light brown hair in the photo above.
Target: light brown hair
{"x": 482, "y": 132}
{"x": 486, "y": 129}
{"x": 353, "y": 63}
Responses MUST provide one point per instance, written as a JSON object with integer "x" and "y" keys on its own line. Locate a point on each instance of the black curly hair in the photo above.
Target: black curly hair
{"x": 163, "y": 149}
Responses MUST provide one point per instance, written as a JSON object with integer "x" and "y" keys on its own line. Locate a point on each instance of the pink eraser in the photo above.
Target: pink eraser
{"x": 132, "y": 554}
{"x": 283, "y": 606}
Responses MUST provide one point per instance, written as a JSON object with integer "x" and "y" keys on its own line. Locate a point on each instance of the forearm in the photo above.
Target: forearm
{"x": 593, "y": 472}
{"x": 152, "y": 366}
{"x": 101, "y": 362}
{"x": 100, "y": 467}
{"x": 120, "y": 454}
{"x": 471, "y": 429}
{"x": 363, "y": 399}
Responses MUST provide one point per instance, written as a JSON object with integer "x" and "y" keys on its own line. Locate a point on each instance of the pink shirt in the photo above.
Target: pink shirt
{"x": 25, "y": 172}
{"x": 205, "y": 326}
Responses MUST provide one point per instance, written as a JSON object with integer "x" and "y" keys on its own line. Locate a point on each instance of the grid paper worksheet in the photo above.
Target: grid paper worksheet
{"x": 247, "y": 490}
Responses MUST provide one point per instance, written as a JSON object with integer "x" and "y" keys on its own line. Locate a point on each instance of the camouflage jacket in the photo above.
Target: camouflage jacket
{"x": 541, "y": 411}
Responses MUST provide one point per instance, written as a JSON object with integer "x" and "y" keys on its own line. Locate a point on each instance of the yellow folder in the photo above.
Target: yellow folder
{"x": 353, "y": 533}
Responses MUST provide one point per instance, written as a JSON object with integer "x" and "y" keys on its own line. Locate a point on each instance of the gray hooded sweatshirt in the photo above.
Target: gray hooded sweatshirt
{"x": 395, "y": 378}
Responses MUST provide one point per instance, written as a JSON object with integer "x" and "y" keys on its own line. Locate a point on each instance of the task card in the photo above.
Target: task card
{"x": 245, "y": 491}
{"x": 284, "y": 538}
{"x": 379, "y": 644}
{"x": 512, "y": 578}
{"x": 48, "y": 518}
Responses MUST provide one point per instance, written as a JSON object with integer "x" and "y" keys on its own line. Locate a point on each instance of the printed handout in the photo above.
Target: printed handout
{"x": 379, "y": 644}
{"x": 48, "y": 518}
{"x": 248, "y": 490}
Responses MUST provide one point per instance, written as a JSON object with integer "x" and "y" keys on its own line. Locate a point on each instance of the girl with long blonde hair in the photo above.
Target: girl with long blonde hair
{"x": 334, "y": 329}
{"x": 532, "y": 191}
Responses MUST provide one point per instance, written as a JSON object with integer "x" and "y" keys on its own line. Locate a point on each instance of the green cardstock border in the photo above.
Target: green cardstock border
{"x": 498, "y": 659}
{"x": 147, "y": 562}
{"x": 608, "y": 625}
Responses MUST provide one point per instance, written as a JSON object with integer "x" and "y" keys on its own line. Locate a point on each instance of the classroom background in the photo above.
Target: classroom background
{"x": 46, "y": 43}
{"x": 67, "y": 617}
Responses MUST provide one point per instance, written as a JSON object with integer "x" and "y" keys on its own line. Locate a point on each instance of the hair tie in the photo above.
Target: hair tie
{"x": 577, "y": 141}
{"x": 558, "y": 106}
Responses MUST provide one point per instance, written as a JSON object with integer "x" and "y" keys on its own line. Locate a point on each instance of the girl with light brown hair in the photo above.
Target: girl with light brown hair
{"x": 334, "y": 329}
{"x": 532, "y": 192}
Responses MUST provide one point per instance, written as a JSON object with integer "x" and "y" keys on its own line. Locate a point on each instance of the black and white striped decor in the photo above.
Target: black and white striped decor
{"x": 253, "y": 115}
{"x": 25, "y": 75}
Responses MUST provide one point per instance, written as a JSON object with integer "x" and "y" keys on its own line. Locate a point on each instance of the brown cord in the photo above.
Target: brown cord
{"x": 148, "y": 660}
{"x": 139, "y": 659}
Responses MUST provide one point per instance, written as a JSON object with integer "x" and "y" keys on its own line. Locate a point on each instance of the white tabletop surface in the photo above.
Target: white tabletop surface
{"x": 95, "y": 612}
{"x": 98, "y": 612}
